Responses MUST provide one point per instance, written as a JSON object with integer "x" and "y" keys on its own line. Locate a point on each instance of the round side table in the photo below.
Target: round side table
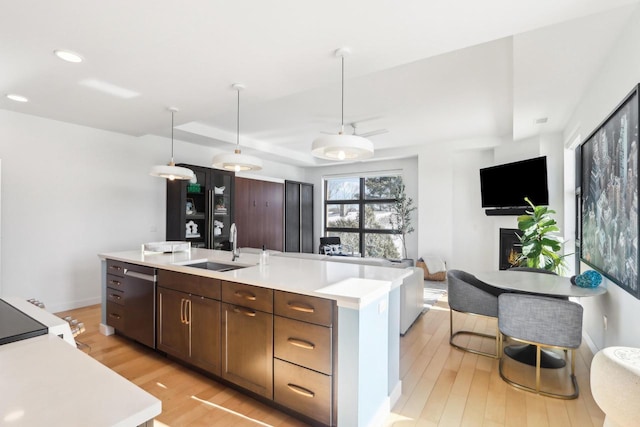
{"x": 615, "y": 385}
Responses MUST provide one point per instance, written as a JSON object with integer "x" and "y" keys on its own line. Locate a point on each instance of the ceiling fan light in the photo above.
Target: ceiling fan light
{"x": 342, "y": 147}
{"x": 237, "y": 162}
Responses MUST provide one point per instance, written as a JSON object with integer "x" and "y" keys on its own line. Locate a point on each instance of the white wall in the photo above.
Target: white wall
{"x": 409, "y": 168}
{"x": 453, "y": 224}
{"x": 473, "y": 234}
{"x": 70, "y": 192}
{"x": 619, "y": 74}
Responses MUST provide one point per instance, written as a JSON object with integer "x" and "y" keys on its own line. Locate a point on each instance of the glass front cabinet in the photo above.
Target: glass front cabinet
{"x": 201, "y": 211}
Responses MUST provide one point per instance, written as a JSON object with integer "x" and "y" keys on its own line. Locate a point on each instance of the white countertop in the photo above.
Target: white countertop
{"x": 325, "y": 279}
{"x": 46, "y": 382}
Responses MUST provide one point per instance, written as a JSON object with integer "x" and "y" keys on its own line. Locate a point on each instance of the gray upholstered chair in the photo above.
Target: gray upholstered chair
{"x": 544, "y": 322}
{"x": 469, "y": 295}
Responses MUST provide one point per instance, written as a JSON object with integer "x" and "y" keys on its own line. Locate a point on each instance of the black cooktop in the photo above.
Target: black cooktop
{"x": 16, "y": 326}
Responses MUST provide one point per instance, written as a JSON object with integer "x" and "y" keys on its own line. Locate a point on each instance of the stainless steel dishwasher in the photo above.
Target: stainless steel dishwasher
{"x": 140, "y": 303}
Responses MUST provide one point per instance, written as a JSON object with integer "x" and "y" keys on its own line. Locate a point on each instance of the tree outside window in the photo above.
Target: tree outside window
{"x": 362, "y": 211}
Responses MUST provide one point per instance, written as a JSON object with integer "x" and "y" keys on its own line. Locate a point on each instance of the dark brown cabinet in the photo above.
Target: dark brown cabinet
{"x": 201, "y": 212}
{"x": 304, "y": 345}
{"x": 259, "y": 209}
{"x": 298, "y": 217}
{"x": 131, "y": 301}
{"x": 279, "y": 345}
{"x": 247, "y": 337}
{"x": 188, "y": 323}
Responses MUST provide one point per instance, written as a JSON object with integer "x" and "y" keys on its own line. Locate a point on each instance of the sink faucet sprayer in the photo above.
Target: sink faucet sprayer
{"x": 233, "y": 238}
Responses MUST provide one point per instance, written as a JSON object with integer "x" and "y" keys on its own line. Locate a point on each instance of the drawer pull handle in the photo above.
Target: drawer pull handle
{"x": 246, "y": 295}
{"x": 249, "y": 313}
{"x": 301, "y": 390}
{"x": 115, "y": 296}
{"x": 297, "y": 306}
{"x": 115, "y": 316}
{"x": 301, "y": 343}
{"x": 115, "y": 267}
{"x": 114, "y": 282}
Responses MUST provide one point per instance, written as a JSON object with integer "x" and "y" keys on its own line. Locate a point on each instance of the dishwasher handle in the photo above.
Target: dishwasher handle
{"x": 147, "y": 277}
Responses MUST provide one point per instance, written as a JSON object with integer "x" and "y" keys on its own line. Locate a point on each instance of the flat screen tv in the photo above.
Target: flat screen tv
{"x": 506, "y": 186}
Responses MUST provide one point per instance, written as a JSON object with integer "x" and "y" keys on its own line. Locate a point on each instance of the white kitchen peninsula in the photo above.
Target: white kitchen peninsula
{"x": 367, "y": 300}
{"x": 47, "y": 382}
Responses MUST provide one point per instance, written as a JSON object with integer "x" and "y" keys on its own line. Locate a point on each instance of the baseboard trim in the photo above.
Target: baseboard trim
{"x": 57, "y": 308}
{"x": 106, "y": 329}
{"x": 592, "y": 346}
{"x": 395, "y": 394}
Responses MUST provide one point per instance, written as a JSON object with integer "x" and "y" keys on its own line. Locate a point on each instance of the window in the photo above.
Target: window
{"x": 361, "y": 211}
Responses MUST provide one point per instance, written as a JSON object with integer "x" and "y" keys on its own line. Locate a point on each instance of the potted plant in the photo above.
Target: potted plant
{"x": 541, "y": 245}
{"x": 400, "y": 218}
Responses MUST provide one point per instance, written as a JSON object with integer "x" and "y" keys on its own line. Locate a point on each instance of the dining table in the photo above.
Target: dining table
{"x": 542, "y": 284}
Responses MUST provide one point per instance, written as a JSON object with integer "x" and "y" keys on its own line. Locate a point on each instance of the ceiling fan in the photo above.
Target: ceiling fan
{"x": 354, "y": 126}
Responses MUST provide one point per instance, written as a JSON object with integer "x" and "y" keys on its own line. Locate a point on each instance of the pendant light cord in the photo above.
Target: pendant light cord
{"x": 238, "y": 124}
{"x": 172, "y": 113}
{"x": 342, "y": 100}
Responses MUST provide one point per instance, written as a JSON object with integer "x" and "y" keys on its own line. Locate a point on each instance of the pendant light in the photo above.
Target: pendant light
{"x": 237, "y": 161}
{"x": 341, "y": 146}
{"x": 171, "y": 171}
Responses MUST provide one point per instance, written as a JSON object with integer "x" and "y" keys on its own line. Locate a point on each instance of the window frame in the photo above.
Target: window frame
{"x": 362, "y": 202}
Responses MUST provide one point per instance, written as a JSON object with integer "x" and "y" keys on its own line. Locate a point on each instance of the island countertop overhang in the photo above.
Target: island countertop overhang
{"x": 350, "y": 285}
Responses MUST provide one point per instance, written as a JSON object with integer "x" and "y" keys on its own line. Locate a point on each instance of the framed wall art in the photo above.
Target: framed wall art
{"x": 609, "y": 196}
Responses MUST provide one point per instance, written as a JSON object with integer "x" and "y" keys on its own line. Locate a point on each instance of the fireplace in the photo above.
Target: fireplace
{"x": 510, "y": 247}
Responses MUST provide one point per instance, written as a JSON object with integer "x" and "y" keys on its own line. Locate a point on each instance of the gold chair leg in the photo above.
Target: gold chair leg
{"x": 452, "y": 335}
{"x": 537, "y": 368}
{"x": 537, "y": 389}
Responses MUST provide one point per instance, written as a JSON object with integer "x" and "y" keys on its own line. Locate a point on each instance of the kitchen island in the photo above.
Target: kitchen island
{"x": 349, "y": 312}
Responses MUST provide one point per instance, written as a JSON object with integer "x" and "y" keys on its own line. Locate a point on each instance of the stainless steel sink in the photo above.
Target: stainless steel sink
{"x": 215, "y": 266}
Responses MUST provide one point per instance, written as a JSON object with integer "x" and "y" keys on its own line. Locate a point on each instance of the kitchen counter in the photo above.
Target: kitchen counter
{"x": 367, "y": 328}
{"x": 45, "y": 381}
{"x": 350, "y": 285}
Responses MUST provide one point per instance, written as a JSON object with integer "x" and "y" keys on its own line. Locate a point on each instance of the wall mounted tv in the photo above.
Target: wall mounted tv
{"x": 506, "y": 186}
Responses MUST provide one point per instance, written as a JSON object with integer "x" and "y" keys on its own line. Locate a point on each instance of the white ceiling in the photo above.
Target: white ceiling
{"x": 428, "y": 71}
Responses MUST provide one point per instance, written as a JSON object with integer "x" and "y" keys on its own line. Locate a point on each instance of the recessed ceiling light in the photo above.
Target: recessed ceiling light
{"x": 68, "y": 56}
{"x": 541, "y": 120}
{"x": 16, "y": 97}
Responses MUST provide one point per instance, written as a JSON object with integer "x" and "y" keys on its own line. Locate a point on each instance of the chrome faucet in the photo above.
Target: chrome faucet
{"x": 233, "y": 238}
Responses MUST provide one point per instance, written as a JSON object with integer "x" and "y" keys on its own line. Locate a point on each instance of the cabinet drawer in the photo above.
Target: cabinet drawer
{"x": 303, "y": 390}
{"x": 248, "y": 296}
{"x": 115, "y": 282}
{"x": 116, "y": 268}
{"x": 196, "y": 285}
{"x": 115, "y": 296}
{"x": 302, "y": 307}
{"x": 303, "y": 344}
{"x": 115, "y": 315}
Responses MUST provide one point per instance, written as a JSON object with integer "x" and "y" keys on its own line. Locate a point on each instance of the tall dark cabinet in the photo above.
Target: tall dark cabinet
{"x": 298, "y": 220}
{"x": 259, "y": 213}
{"x": 201, "y": 212}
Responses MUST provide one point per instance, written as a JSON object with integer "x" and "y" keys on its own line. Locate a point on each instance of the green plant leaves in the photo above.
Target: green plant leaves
{"x": 540, "y": 245}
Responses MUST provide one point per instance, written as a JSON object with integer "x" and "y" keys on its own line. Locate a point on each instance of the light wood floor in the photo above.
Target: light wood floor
{"x": 441, "y": 386}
